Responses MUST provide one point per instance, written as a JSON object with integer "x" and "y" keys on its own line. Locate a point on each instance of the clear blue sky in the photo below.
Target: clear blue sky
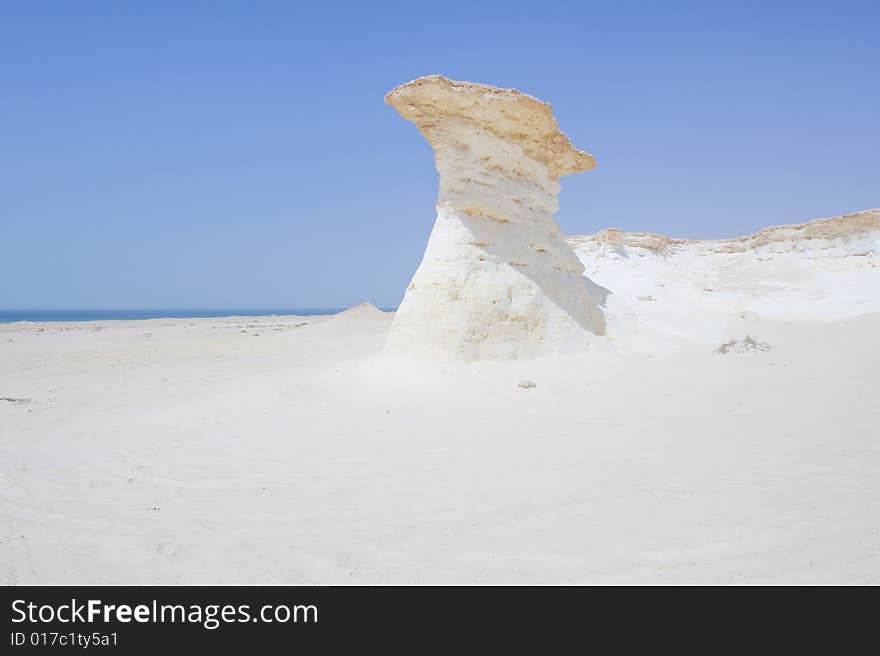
{"x": 239, "y": 154}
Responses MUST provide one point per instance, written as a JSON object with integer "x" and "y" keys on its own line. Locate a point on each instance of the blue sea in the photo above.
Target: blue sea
{"x": 8, "y": 316}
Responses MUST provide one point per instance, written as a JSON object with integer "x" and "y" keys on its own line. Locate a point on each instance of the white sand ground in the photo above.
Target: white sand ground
{"x": 293, "y": 450}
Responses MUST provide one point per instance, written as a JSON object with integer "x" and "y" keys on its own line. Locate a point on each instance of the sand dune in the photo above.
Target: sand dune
{"x": 295, "y": 450}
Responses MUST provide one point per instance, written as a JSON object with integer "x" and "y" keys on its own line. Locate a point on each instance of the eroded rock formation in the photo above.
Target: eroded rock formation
{"x": 497, "y": 278}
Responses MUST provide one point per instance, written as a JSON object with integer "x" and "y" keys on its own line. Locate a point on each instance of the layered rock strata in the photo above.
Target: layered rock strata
{"x": 497, "y": 278}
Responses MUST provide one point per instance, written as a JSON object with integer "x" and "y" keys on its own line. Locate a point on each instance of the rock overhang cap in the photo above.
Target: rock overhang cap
{"x": 433, "y": 100}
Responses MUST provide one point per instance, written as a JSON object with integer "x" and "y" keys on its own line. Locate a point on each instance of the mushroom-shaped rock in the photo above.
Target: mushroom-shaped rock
{"x": 497, "y": 279}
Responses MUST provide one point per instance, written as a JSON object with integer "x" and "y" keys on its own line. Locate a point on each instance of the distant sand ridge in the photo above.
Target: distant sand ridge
{"x": 817, "y": 235}
{"x": 667, "y": 292}
{"x": 497, "y": 278}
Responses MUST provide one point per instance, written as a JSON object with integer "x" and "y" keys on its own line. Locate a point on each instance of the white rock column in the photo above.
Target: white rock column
{"x": 497, "y": 279}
